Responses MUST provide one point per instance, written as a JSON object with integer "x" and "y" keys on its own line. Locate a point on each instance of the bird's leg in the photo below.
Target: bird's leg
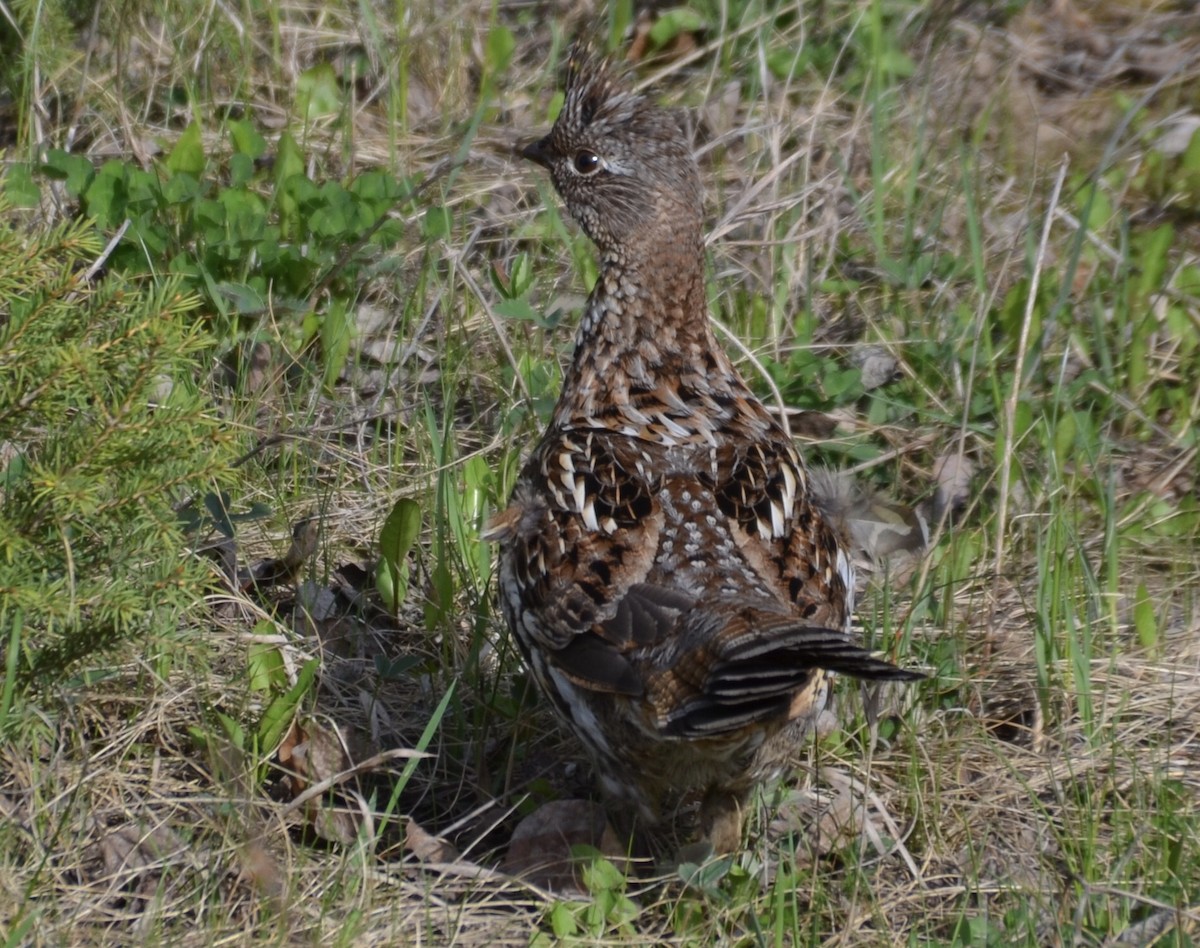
{"x": 721, "y": 819}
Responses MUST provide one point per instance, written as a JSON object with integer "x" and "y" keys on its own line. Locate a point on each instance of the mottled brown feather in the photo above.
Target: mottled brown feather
{"x": 674, "y": 588}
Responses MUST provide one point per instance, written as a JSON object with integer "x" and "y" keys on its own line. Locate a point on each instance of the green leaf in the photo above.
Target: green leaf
{"x": 477, "y": 475}
{"x": 599, "y": 874}
{"x": 521, "y": 276}
{"x": 188, "y": 153}
{"x": 182, "y": 188}
{"x": 555, "y": 106}
{"x": 1095, "y": 209}
{"x": 441, "y": 588}
{"x": 20, "y": 186}
{"x": 265, "y": 665}
{"x": 246, "y": 139}
{"x": 233, "y": 730}
{"x": 145, "y": 188}
{"x": 897, "y": 64}
{"x": 241, "y": 169}
{"x": 289, "y": 166}
{"x": 438, "y": 222}
{"x": 672, "y": 23}
{"x": 1145, "y": 623}
{"x": 1064, "y": 438}
{"x": 396, "y": 539}
{"x": 562, "y": 919}
{"x": 288, "y": 159}
{"x": 335, "y": 218}
{"x": 705, "y": 877}
{"x": 517, "y": 281}
{"x": 787, "y": 62}
{"x": 842, "y": 385}
{"x": 392, "y": 584}
{"x": 108, "y": 194}
{"x": 518, "y": 309}
{"x": 75, "y": 170}
{"x": 1152, "y": 260}
{"x": 381, "y": 189}
{"x": 500, "y": 47}
{"x": 1190, "y": 160}
{"x": 245, "y": 216}
{"x": 400, "y": 530}
{"x": 337, "y": 333}
{"x": 217, "y": 505}
{"x": 242, "y": 299}
{"x": 280, "y": 712}
{"x": 318, "y": 93}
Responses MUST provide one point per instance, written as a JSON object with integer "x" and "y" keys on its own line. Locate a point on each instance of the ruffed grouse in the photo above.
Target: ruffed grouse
{"x": 674, "y": 588}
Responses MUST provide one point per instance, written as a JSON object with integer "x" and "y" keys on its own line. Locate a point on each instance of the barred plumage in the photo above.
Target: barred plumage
{"x": 676, "y": 591}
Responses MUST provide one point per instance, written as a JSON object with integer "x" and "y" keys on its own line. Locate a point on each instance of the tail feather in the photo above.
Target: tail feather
{"x": 762, "y": 662}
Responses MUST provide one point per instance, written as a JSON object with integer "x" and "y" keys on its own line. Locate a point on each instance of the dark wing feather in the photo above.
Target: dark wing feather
{"x": 595, "y": 664}
{"x": 574, "y": 557}
{"x": 761, "y": 487}
{"x": 757, "y": 665}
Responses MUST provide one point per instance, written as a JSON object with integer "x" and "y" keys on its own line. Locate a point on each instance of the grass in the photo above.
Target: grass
{"x": 1005, "y": 210}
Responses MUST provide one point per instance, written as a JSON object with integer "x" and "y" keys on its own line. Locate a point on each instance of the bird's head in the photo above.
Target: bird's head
{"x": 623, "y": 165}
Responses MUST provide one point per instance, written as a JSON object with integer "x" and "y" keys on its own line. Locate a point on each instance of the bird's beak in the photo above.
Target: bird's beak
{"x": 538, "y": 151}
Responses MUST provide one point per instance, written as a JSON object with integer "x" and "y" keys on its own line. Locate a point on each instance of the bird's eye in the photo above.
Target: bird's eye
{"x": 587, "y": 162}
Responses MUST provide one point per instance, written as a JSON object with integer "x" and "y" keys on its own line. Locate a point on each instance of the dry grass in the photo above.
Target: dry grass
{"x": 1041, "y": 789}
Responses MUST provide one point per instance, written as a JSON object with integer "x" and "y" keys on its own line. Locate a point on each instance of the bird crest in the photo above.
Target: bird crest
{"x": 594, "y": 92}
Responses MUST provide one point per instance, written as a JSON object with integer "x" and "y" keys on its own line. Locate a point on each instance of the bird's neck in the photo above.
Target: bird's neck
{"x": 645, "y": 328}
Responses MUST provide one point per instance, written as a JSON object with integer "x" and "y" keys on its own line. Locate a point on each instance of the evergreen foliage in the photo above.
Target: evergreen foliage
{"x": 102, "y": 434}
